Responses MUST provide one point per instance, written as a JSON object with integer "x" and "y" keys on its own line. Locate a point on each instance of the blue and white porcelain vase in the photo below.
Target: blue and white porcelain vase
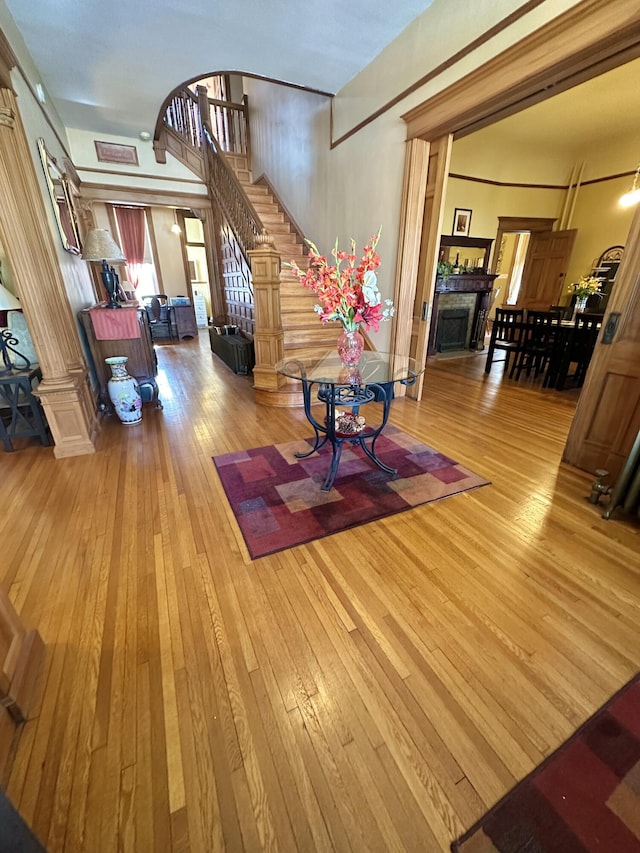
{"x": 124, "y": 391}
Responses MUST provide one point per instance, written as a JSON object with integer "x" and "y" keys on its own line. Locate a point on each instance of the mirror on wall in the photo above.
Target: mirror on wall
{"x": 61, "y": 200}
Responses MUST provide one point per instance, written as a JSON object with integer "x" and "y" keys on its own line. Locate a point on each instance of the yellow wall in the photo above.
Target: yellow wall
{"x": 169, "y": 257}
{"x": 289, "y": 138}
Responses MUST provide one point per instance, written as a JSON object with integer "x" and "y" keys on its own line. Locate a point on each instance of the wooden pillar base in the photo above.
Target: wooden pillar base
{"x": 71, "y": 415}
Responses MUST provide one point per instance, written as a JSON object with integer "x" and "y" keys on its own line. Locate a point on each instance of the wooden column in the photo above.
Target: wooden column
{"x": 21, "y": 654}
{"x": 269, "y": 337}
{"x": 28, "y": 241}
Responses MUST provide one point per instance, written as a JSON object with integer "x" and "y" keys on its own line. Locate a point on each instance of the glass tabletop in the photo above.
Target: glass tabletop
{"x": 374, "y": 368}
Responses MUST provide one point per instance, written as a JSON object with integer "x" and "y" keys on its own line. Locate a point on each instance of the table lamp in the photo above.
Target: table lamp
{"x": 99, "y": 245}
{"x": 8, "y": 302}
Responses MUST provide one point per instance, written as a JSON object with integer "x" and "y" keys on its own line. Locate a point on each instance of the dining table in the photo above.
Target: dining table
{"x": 325, "y": 380}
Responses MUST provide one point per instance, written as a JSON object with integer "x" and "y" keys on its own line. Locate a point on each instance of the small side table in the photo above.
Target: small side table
{"x": 338, "y": 385}
{"x": 21, "y": 412}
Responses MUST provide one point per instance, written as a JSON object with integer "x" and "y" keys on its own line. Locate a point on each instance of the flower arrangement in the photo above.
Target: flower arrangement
{"x": 348, "y": 289}
{"x": 587, "y": 286}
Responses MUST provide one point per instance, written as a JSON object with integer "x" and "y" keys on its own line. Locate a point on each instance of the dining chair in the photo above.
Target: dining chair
{"x": 566, "y": 311}
{"x": 537, "y": 344}
{"x": 158, "y": 312}
{"x": 506, "y": 333}
{"x": 578, "y": 350}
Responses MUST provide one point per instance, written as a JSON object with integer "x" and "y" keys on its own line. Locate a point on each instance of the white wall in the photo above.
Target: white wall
{"x": 170, "y": 177}
{"x": 289, "y": 144}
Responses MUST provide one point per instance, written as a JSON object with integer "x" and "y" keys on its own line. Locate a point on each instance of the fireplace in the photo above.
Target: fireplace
{"x": 477, "y": 290}
{"x": 452, "y": 329}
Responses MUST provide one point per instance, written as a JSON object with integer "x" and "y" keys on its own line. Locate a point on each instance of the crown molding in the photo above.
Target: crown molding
{"x": 7, "y": 62}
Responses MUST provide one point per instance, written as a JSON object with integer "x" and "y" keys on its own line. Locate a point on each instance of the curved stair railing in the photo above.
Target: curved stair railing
{"x": 182, "y": 116}
{"x": 227, "y": 191}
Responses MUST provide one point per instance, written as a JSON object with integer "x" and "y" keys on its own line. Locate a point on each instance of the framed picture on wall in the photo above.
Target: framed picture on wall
{"x": 461, "y": 222}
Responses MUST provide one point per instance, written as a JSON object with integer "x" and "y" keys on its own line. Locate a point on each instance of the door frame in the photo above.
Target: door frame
{"x": 582, "y": 43}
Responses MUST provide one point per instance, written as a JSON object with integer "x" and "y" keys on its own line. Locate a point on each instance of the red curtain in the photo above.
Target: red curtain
{"x": 131, "y": 226}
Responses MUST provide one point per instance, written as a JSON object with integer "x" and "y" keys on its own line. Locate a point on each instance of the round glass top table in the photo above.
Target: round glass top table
{"x": 340, "y": 386}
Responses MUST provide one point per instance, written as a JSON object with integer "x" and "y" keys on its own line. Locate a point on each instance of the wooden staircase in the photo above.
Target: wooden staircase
{"x": 301, "y": 326}
{"x": 251, "y": 208}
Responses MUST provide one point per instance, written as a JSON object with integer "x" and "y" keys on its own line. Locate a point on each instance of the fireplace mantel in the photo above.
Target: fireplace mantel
{"x": 479, "y": 283}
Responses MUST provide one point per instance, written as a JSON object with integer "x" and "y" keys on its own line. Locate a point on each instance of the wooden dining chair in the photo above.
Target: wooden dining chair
{"x": 565, "y": 311}
{"x": 537, "y": 344}
{"x": 506, "y": 333}
{"x": 578, "y": 350}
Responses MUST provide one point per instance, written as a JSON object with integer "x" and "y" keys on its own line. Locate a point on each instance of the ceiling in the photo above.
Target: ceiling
{"x": 88, "y": 53}
{"x": 108, "y": 66}
{"x": 603, "y": 108}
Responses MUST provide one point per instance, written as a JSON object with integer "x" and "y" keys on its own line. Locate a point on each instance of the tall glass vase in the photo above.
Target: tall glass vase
{"x": 579, "y": 306}
{"x": 350, "y": 346}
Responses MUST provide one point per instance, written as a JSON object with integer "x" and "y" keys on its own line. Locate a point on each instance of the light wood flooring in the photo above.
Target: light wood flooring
{"x": 376, "y": 690}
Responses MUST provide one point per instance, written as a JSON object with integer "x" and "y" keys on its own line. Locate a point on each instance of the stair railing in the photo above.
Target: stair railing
{"x": 183, "y": 117}
{"x": 230, "y": 125}
{"x": 225, "y": 186}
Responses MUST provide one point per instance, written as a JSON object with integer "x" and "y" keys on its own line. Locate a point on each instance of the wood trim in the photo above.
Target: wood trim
{"x": 513, "y": 224}
{"x": 162, "y": 198}
{"x": 8, "y": 61}
{"x": 573, "y": 47}
{"x": 416, "y": 167}
{"x": 439, "y": 160}
{"x": 563, "y": 187}
{"x": 154, "y": 248}
{"x": 492, "y": 183}
{"x": 137, "y": 176}
{"x": 28, "y": 240}
{"x": 483, "y": 38}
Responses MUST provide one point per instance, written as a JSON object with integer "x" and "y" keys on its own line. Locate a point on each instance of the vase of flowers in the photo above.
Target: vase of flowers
{"x": 582, "y": 289}
{"x": 348, "y": 293}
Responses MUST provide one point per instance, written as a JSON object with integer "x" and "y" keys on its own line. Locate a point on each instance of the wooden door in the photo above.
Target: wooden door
{"x": 607, "y": 418}
{"x": 545, "y": 268}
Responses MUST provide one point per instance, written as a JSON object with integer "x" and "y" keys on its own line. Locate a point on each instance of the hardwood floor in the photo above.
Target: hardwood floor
{"x": 373, "y": 690}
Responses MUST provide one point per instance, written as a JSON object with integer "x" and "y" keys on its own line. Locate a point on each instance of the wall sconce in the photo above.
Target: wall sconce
{"x": 633, "y": 196}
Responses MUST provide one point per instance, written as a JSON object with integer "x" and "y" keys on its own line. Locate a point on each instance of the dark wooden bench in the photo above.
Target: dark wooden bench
{"x": 235, "y": 350}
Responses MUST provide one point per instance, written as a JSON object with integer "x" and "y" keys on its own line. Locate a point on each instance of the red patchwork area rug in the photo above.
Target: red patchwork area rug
{"x": 278, "y": 501}
{"x": 585, "y": 797}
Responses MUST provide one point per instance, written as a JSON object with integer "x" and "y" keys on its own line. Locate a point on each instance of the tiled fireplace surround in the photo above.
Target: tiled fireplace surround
{"x": 466, "y": 301}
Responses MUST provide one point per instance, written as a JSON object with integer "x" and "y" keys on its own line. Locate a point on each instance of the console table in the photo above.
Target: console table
{"x": 142, "y": 362}
{"x": 338, "y": 385}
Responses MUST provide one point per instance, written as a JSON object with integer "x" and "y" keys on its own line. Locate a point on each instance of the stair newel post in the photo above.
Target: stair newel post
{"x": 268, "y": 337}
{"x": 203, "y": 107}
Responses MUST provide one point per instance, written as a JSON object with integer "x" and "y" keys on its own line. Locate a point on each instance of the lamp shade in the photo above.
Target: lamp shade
{"x": 8, "y": 301}
{"x": 99, "y": 245}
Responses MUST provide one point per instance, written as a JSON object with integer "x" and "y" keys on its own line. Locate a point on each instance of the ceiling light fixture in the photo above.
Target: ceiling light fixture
{"x": 144, "y": 135}
{"x": 175, "y": 228}
{"x": 633, "y": 196}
